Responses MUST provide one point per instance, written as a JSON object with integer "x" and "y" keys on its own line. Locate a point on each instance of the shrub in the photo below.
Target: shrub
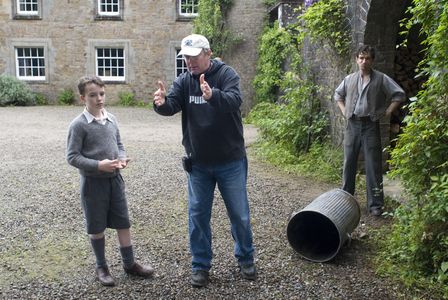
{"x": 15, "y": 92}
{"x": 417, "y": 249}
{"x": 41, "y": 99}
{"x": 66, "y": 97}
{"x": 126, "y": 99}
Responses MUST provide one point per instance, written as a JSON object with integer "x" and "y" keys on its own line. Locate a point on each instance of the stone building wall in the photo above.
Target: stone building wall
{"x": 246, "y": 19}
{"x": 148, "y": 29}
{"x": 150, "y": 32}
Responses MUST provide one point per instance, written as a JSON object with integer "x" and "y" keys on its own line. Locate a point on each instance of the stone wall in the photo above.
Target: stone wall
{"x": 149, "y": 30}
{"x": 246, "y": 19}
{"x": 373, "y": 22}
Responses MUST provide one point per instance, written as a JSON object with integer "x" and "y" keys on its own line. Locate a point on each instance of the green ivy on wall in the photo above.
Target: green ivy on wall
{"x": 211, "y": 22}
{"x": 325, "y": 20}
{"x": 292, "y": 123}
{"x": 276, "y": 45}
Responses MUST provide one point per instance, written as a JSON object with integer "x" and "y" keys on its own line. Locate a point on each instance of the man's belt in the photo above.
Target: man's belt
{"x": 356, "y": 118}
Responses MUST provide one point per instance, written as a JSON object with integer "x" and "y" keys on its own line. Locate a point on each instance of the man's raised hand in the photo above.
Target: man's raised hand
{"x": 205, "y": 88}
{"x": 159, "y": 95}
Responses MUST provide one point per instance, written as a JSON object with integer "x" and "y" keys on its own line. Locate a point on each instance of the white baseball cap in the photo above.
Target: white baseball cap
{"x": 193, "y": 44}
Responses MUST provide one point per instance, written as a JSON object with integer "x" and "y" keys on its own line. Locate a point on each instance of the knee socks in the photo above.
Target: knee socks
{"x": 127, "y": 254}
{"x": 98, "y": 246}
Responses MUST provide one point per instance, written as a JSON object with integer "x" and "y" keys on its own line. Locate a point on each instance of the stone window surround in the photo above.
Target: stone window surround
{"x": 22, "y": 16}
{"x": 91, "y": 57}
{"x": 176, "y": 59}
{"x": 31, "y": 43}
{"x": 99, "y": 16}
{"x": 169, "y": 65}
{"x": 184, "y": 17}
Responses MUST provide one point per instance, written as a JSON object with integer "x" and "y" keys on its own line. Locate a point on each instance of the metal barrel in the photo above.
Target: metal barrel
{"x": 318, "y": 231}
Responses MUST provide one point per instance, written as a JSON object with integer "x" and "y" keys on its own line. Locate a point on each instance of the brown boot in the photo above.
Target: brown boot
{"x": 104, "y": 276}
{"x": 140, "y": 270}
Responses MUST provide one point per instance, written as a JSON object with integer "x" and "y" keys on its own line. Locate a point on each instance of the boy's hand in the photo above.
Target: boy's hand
{"x": 159, "y": 95}
{"x": 124, "y": 162}
{"x": 109, "y": 166}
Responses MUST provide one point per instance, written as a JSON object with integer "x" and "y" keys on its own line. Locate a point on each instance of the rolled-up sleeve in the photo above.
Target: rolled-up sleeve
{"x": 340, "y": 92}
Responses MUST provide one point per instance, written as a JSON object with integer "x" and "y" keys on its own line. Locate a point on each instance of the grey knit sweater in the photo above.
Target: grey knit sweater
{"x": 88, "y": 143}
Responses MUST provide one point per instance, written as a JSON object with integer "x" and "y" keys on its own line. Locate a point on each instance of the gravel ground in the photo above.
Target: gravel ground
{"x": 45, "y": 254}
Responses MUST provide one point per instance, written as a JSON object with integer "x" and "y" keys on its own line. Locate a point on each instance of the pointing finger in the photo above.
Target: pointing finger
{"x": 161, "y": 85}
{"x": 201, "y": 79}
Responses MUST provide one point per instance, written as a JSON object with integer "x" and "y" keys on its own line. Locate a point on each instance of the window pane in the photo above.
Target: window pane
{"x": 181, "y": 67}
{"x": 27, "y": 7}
{"x": 30, "y": 63}
{"x": 188, "y": 7}
{"x": 110, "y": 63}
{"x": 109, "y": 7}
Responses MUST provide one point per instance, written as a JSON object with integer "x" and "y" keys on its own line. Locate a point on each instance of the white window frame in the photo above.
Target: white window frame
{"x": 26, "y": 3}
{"x": 179, "y": 60}
{"x": 111, "y": 59}
{"x": 31, "y": 63}
{"x": 182, "y": 13}
{"x": 111, "y": 3}
{"x": 92, "y": 61}
{"x": 18, "y": 13}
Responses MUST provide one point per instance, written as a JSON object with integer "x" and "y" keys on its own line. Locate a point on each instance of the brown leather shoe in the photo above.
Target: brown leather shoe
{"x": 104, "y": 276}
{"x": 140, "y": 270}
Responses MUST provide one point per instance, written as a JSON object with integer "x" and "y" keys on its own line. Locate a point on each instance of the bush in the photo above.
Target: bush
{"x": 15, "y": 92}
{"x": 417, "y": 249}
{"x": 126, "y": 99}
{"x": 66, "y": 97}
{"x": 41, "y": 99}
{"x": 296, "y": 122}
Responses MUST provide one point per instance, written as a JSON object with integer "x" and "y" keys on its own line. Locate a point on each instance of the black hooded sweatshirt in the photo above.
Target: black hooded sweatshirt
{"x": 212, "y": 130}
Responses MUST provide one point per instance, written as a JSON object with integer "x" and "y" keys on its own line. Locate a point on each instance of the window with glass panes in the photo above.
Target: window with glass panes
{"x": 188, "y": 8}
{"x": 181, "y": 66}
{"x": 30, "y": 63}
{"x": 110, "y": 63}
{"x": 27, "y": 7}
{"x": 109, "y": 7}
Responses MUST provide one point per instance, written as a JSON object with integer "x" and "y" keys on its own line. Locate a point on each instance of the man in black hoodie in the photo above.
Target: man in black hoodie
{"x": 209, "y": 97}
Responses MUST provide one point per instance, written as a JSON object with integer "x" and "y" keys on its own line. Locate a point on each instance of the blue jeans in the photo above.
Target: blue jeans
{"x": 231, "y": 180}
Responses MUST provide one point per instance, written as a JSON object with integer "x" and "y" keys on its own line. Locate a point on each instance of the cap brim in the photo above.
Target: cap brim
{"x": 190, "y": 51}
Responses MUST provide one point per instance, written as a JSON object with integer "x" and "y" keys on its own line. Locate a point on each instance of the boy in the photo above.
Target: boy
{"x": 94, "y": 147}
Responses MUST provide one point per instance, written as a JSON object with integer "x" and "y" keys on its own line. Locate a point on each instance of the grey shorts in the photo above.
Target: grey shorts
{"x": 104, "y": 203}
